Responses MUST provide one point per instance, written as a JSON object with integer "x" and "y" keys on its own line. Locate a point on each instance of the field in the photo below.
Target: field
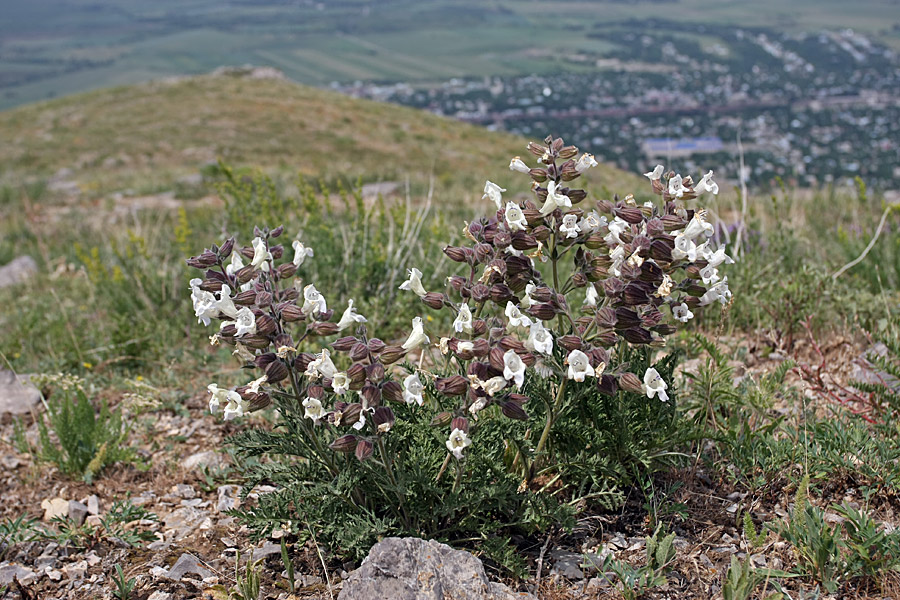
{"x": 46, "y": 52}
{"x": 768, "y": 443}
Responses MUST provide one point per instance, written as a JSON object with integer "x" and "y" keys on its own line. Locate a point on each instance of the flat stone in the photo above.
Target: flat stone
{"x": 268, "y": 549}
{"x": 567, "y": 564}
{"x": 17, "y": 395}
{"x": 208, "y": 459}
{"x": 13, "y": 572}
{"x": 182, "y": 521}
{"x": 19, "y": 270}
{"x": 160, "y": 596}
{"x": 76, "y": 571}
{"x": 55, "y": 507}
{"x": 78, "y": 512}
{"x": 416, "y": 569}
{"x": 93, "y": 505}
{"x": 228, "y": 498}
{"x": 187, "y": 563}
{"x": 183, "y": 490}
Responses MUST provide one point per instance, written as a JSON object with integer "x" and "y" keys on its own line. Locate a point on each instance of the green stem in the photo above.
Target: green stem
{"x": 390, "y": 473}
{"x": 551, "y": 417}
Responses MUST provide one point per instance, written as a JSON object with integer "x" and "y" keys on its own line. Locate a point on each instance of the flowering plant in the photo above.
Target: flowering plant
{"x": 555, "y": 308}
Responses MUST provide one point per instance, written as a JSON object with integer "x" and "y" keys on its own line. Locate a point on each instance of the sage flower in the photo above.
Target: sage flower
{"x": 349, "y": 317}
{"x": 492, "y": 192}
{"x": 527, "y": 300}
{"x": 554, "y": 200}
{"x": 684, "y": 248}
{"x": 719, "y": 291}
{"x": 221, "y": 396}
{"x": 235, "y": 408}
{"x": 205, "y": 304}
{"x": 515, "y": 218}
{"x": 513, "y": 368}
{"x": 585, "y": 162}
{"x": 698, "y": 226}
{"x": 709, "y": 274}
{"x": 413, "y": 390}
{"x": 618, "y": 259}
{"x": 569, "y": 226}
{"x": 261, "y": 255}
{"x": 340, "y": 383}
{"x": 493, "y": 385}
{"x": 517, "y": 164}
{"x": 707, "y": 184}
{"x": 245, "y": 321}
{"x": 591, "y": 297}
{"x": 414, "y": 283}
{"x": 458, "y": 442}
{"x": 463, "y": 321}
{"x": 665, "y": 288}
{"x": 655, "y": 174}
{"x": 515, "y": 316}
{"x": 313, "y": 301}
{"x": 253, "y": 386}
{"x": 676, "y": 187}
{"x": 682, "y": 312}
{"x": 591, "y": 222}
{"x": 322, "y": 366}
{"x": 313, "y": 410}
{"x": 616, "y": 228}
{"x": 654, "y": 385}
{"x": 301, "y": 252}
{"x": 539, "y": 339}
{"x": 717, "y": 258}
{"x": 417, "y": 336}
{"x": 236, "y": 264}
{"x": 579, "y": 366}
{"x": 225, "y": 304}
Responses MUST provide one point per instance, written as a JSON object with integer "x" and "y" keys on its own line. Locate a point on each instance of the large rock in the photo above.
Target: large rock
{"x": 22, "y": 268}
{"x": 415, "y": 569}
{"x": 17, "y": 394}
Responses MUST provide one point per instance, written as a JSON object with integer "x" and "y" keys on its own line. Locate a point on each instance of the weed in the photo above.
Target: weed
{"x": 246, "y": 585}
{"x": 15, "y": 531}
{"x": 124, "y": 586}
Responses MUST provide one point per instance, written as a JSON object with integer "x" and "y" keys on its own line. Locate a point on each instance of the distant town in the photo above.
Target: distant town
{"x": 808, "y": 110}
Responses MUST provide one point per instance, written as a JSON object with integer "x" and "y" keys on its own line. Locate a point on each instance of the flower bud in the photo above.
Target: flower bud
{"x": 568, "y": 152}
{"x": 501, "y": 294}
{"x": 579, "y": 279}
{"x": 452, "y": 386}
{"x": 375, "y": 372}
{"x": 392, "y": 354}
{"x": 255, "y": 341}
{"x": 359, "y": 351}
{"x": 247, "y": 251}
{"x": 350, "y": 413}
{"x": 576, "y": 196}
{"x": 523, "y": 241}
{"x": 541, "y": 233}
{"x": 356, "y": 373}
{"x": 625, "y": 318}
{"x": 441, "y": 419}
{"x": 570, "y": 342}
{"x": 345, "y": 444}
{"x": 292, "y": 313}
{"x": 315, "y": 391}
{"x": 542, "y": 311}
{"x": 276, "y": 371}
{"x": 455, "y": 253}
{"x": 264, "y": 299}
{"x": 630, "y": 383}
{"x": 203, "y": 261}
{"x": 502, "y": 239}
{"x": 302, "y": 361}
{"x": 672, "y": 222}
{"x": 245, "y": 274}
{"x": 637, "y": 335}
{"x": 479, "y": 327}
{"x": 344, "y": 344}
{"x": 495, "y": 357}
{"x": 607, "y": 339}
{"x": 290, "y": 295}
{"x": 637, "y": 293}
{"x": 323, "y": 328}
{"x": 514, "y": 410}
{"x": 613, "y": 287}
{"x": 511, "y": 343}
{"x": 456, "y": 282}
{"x": 210, "y": 285}
{"x": 383, "y": 418}
{"x": 258, "y": 401}
{"x": 480, "y": 292}
{"x": 264, "y": 360}
{"x": 226, "y": 248}
{"x": 606, "y": 317}
{"x": 665, "y": 329}
{"x": 286, "y": 270}
{"x": 607, "y": 385}
{"x": 460, "y": 423}
{"x": 376, "y": 345}
{"x": 433, "y": 300}
{"x": 277, "y": 231}
{"x": 247, "y": 298}
{"x": 483, "y": 252}
{"x": 594, "y": 241}
{"x": 392, "y": 391}
{"x": 277, "y": 251}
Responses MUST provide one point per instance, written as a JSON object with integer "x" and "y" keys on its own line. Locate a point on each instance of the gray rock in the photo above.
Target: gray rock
{"x": 21, "y": 269}
{"x": 160, "y": 596}
{"x": 416, "y": 569}
{"x": 187, "y": 563}
{"x": 93, "y": 505}
{"x": 209, "y": 459}
{"x": 567, "y": 564}
{"x": 228, "y": 498}
{"x": 183, "y": 490}
{"x": 17, "y": 394}
{"x": 42, "y": 562}
{"x": 78, "y": 512}
{"x": 183, "y": 521}
{"x": 268, "y": 549}
{"x": 12, "y": 572}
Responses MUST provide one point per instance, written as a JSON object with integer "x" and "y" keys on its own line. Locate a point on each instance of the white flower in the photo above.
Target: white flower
{"x": 261, "y": 255}
{"x": 554, "y": 200}
{"x": 570, "y": 226}
{"x": 592, "y": 222}
{"x": 340, "y": 383}
{"x": 493, "y": 385}
{"x": 591, "y": 297}
{"x": 463, "y": 321}
{"x": 413, "y": 389}
{"x": 676, "y": 187}
{"x": 539, "y": 339}
{"x": 618, "y": 259}
{"x": 225, "y": 304}
{"x": 221, "y": 396}
{"x": 253, "y": 386}
{"x": 527, "y": 301}
{"x": 707, "y": 184}
{"x": 516, "y": 164}
{"x": 515, "y": 316}
{"x": 636, "y": 259}
{"x": 698, "y": 226}
{"x": 313, "y": 410}
{"x": 417, "y": 336}
{"x": 205, "y": 304}
{"x": 665, "y": 288}
{"x": 718, "y": 257}
{"x": 362, "y": 421}
{"x": 313, "y": 301}
{"x": 682, "y": 312}
{"x": 513, "y": 368}
{"x": 709, "y": 274}
{"x": 414, "y": 283}
{"x": 616, "y": 228}
{"x": 655, "y": 174}
{"x": 478, "y": 404}
{"x": 684, "y": 248}
{"x": 719, "y": 291}
{"x": 654, "y": 384}
{"x": 515, "y": 218}
{"x": 301, "y": 252}
{"x": 321, "y": 366}
{"x": 464, "y": 346}
{"x": 492, "y": 192}
{"x": 350, "y": 317}
{"x": 237, "y": 263}
{"x": 458, "y": 442}
{"x": 579, "y": 365}
{"x": 585, "y": 162}
{"x": 245, "y": 321}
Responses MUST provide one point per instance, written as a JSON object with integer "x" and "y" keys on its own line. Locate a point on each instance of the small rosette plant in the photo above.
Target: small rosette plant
{"x": 557, "y": 309}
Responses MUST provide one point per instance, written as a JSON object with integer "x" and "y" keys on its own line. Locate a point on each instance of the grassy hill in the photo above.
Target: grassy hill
{"x": 143, "y": 138}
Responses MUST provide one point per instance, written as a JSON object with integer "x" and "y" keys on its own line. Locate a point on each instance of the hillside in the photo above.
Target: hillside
{"x": 141, "y": 139}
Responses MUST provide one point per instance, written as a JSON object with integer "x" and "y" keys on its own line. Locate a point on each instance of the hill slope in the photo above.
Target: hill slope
{"x": 143, "y": 138}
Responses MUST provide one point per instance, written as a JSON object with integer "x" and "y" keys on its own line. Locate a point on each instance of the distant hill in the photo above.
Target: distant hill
{"x": 144, "y": 138}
